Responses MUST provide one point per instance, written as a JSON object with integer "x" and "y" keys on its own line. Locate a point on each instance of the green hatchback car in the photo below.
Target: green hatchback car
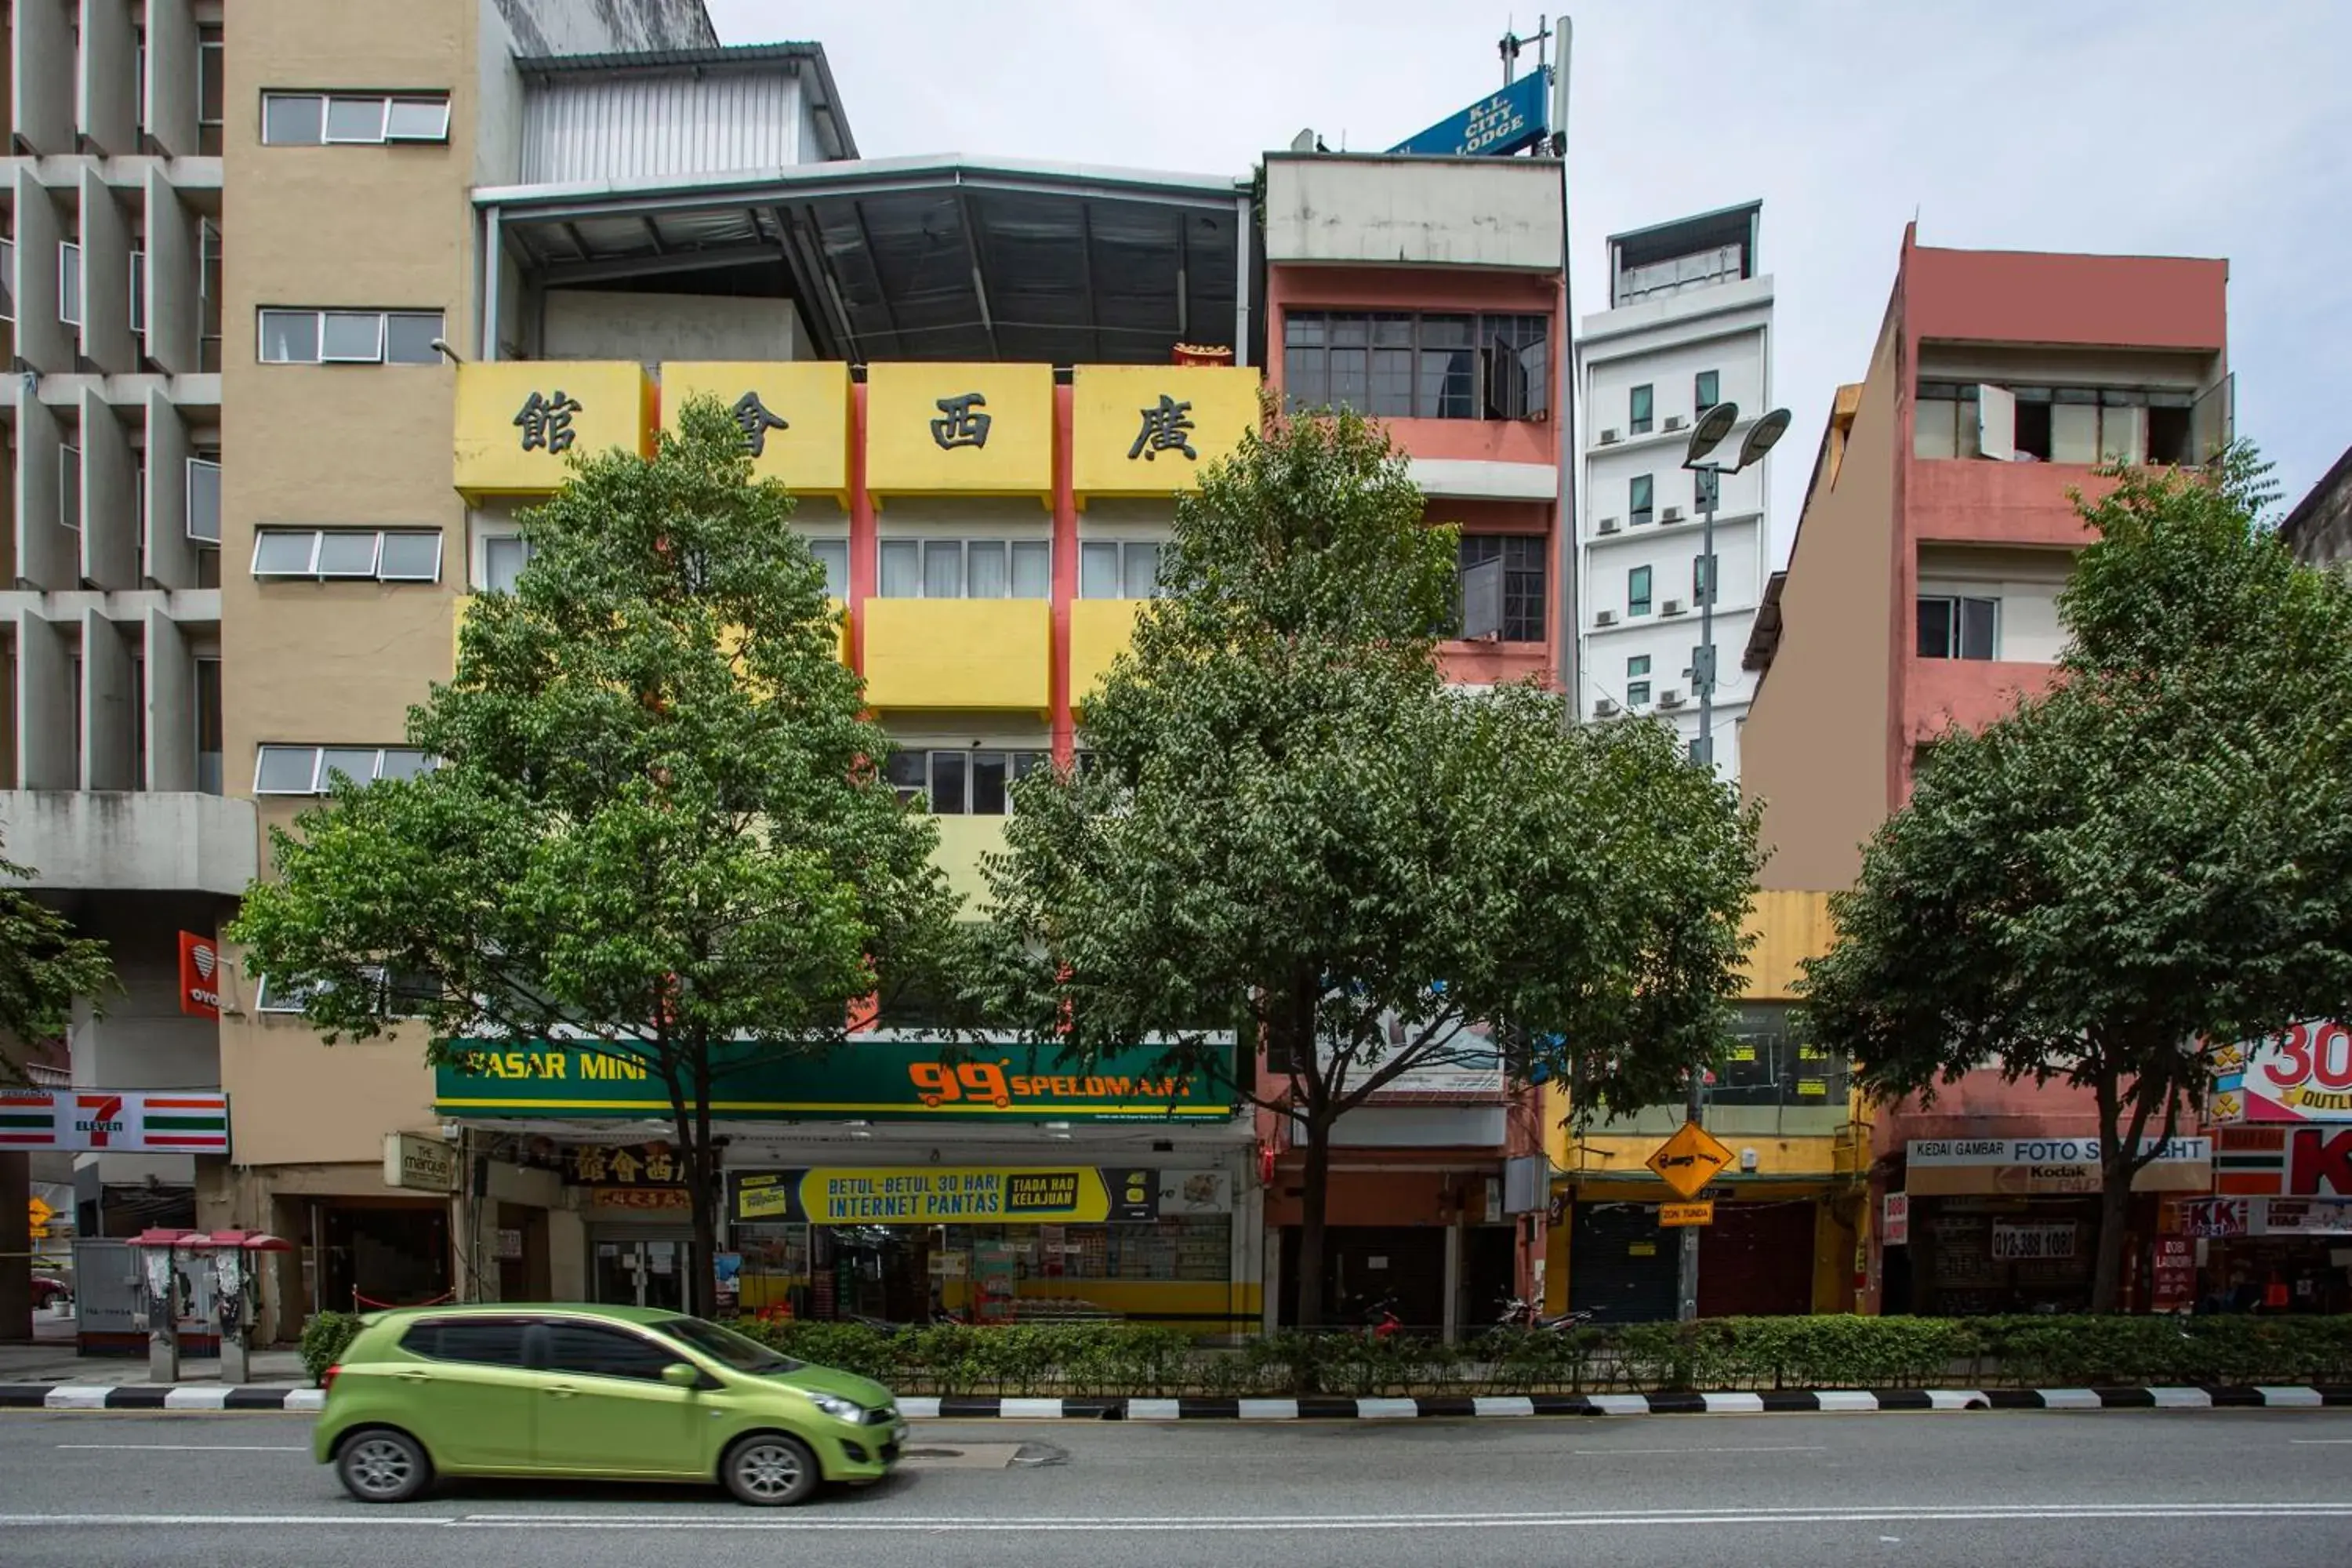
{"x": 599, "y": 1393}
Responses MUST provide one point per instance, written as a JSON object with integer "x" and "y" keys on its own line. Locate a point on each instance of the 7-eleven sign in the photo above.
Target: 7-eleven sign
{"x": 127, "y": 1122}
{"x": 98, "y": 1120}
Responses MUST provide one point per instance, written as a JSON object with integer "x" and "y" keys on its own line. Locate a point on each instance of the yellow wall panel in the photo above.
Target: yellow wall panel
{"x": 521, "y": 422}
{"x": 958, "y": 654}
{"x": 971, "y": 429}
{"x": 798, "y": 426}
{"x": 1148, "y": 430}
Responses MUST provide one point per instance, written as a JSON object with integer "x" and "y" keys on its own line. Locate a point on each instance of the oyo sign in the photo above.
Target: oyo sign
{"x": 199, "y": 963}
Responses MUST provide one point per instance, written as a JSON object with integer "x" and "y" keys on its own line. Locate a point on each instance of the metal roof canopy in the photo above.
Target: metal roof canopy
{"x": 929, "y": 258}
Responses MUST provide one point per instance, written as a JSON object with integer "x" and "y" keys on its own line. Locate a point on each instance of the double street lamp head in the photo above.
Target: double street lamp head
{"x": 1717, "y": 424}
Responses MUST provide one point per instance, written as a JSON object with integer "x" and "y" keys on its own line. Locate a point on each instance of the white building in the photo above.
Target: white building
{"x": 1689, "y": 325}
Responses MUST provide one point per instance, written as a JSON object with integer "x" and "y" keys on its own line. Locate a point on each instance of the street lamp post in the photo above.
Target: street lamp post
{"x": 1715, "y": 425}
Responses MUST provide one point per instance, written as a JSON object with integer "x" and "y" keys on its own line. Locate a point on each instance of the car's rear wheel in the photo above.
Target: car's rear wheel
{"x": 380, "y": 1465}
{"x": 769, "y": 1469}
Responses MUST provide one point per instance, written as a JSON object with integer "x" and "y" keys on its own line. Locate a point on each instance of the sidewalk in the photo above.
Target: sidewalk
{"x": 55, "y": 1362}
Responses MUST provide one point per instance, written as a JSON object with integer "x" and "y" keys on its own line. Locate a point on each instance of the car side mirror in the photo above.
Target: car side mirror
{"x": 679, "y": 1375}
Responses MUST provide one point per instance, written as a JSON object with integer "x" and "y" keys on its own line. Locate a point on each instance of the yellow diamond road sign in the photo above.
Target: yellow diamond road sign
{"x": 1690, "y": 1159}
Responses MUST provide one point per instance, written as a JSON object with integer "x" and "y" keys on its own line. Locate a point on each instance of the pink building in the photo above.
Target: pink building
{"x": 1921, "y": 593}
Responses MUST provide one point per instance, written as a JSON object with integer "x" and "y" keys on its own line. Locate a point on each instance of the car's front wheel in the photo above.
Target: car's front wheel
{"x": 769, "y": 1469}
{"x": 380, "y": 1465}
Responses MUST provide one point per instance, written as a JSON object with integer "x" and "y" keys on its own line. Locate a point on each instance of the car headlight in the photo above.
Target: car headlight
{"x": 840, "y": 1409}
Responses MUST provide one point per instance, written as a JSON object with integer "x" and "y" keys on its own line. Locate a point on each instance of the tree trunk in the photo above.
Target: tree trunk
{"x": 1315, "y": 1203}
{"x": 702, "y": 1278}
{"x": 2115, "y": 1214}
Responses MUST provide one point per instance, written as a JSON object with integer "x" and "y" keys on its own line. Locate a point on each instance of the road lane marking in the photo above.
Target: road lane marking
{"x": 1162, "y": 1524}
{"x": 2320, "y": 1442}
{"x": 1791, "y": 1449}
{"x": 191, "y": 1447}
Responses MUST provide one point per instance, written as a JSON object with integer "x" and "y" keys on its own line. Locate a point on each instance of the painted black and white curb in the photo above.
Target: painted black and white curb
{"x": 201, "y": 1397}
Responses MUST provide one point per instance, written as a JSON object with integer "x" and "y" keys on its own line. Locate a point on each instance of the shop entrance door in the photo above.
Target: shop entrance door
{"x": 642, "y": 1271}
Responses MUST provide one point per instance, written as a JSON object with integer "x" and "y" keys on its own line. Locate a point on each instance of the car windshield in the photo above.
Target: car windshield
{"x": 725, "y": 1344}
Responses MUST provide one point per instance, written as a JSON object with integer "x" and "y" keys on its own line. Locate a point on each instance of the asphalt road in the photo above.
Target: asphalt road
{"x": 2133, "y": 1490}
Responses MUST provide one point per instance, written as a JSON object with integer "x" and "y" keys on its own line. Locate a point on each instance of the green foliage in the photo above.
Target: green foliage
{"x": 1289, "y": 821}
{"x": 43, "y": 967}
{"x": 2151, "y": 858}
{"x": 324, "y": 1338}
{"x": 656, "y": 818}
{"x": 1141, "y": 1360}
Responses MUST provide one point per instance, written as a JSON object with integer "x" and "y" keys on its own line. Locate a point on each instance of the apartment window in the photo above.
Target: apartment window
{"x": 138, "y": 290}
{"x": 203, "y": 499}
{"x": 833, "y": 554}
{"x": 212, "y": 90}
{"x": 7, "y": 280}
{"x": 1402, "y": 365}
{"x": 139, "y": 76}
{"x": 1639, "y": 496}
{"x": 403, "y": 994}
{"x": 312, "y": 119}
{"x": 1643, "y": 408}
{"x": 1705, "y": 582}
{"x": 390, "y": 555}
{"x": 972, "y": 783}
{"x": 1707, "y": 390}
{"x": 1113, "y": 570}
{"x": 1637, "y": 591}
{"x": 208, "y": 726}
{"x": 1637, "y": 680}
{"x": 504, "y": 555}
{"x": 1958, "y": 627}
{"x": 70, "y": 488}
{"x": 966, "y": 569}
{"x": 69, "y": 283}
{"x": 1524, "y": 577}
{"x": 310, "y": 770}
{"x": 208, "y": 300}
{"x": 348, "y": 337}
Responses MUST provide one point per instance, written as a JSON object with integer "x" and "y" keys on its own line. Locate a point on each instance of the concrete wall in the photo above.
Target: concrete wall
{"x": 1408, "y": 212}
{"x": 1816, "y": 747}
{"x": 2319, "y": 530}
{"x": 587, "y": 323}
{"x": 600, "y": 26}
{"x": 2025, "y": 297}
{"x": 131, "y": 841}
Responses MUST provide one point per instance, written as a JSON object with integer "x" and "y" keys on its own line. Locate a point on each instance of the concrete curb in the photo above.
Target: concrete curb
{"x": 214, "y": 1398}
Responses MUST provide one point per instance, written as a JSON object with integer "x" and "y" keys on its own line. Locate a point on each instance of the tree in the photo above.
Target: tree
{"x": 1285, "y": 824}
{"x": 43, "y": 967}
{"x": 2149, "y": 862}
{"x": 657, "y": 823}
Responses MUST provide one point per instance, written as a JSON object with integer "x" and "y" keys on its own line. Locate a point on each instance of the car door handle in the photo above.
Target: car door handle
{"x": 562, "y": 1391}
{"x": 414, "y": 1376}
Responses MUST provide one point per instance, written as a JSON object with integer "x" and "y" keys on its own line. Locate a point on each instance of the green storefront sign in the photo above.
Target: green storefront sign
{"x": 881, "y": 1079}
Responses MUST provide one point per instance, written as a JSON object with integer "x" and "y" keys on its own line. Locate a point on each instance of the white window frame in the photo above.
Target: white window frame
{"x": 70, "y": 500}
{"x": 7, "y": 281}
{"x": 923, "y": 543}
{"x": 1013, "y": 772}
{"x": 385, "y": 135}
{"x": 479, "y": 576}
{"x": 318, "y": 536}
{"x": 69, "y": 283}
{"x": 1157, "y": 546}
{"x": 1957, "y": 640}
{"x": 138, "y": 290}
{"x": 319, "y": 332}
{"x": 318, "y": 785}
{"x": 189, "y": 501}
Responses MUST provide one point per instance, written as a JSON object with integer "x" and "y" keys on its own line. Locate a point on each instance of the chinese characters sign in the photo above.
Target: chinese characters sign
{"x": 1149, "y": 430}
{"x": 974, "y": 430}
{"x": 941, "y": 1194}
{"x": 624, "y": 1165}
{"x": 520, "y": 422}
{"x": 794, "y": 416}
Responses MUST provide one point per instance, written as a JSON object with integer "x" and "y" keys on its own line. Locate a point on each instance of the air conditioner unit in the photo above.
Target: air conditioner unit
{"x": 1675, "y": 421}
{"x": 1605, "y": 618}
{"x": 1671, "y": 607}
{"x": 1608, "y": 525}
{"x": 1672, "y": 514}
{"x": 1605, "y": 708}
{"x": 1670, "y": 698}
{"x": 1609, "y": 438}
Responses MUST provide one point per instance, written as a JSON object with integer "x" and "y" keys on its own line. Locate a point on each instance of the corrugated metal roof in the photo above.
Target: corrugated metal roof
{"x": 661, "y": 126}
{"x": 716, "y": 76}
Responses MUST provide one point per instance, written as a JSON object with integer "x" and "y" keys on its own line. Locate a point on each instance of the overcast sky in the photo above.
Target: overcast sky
{"x": 2181, "y": 127}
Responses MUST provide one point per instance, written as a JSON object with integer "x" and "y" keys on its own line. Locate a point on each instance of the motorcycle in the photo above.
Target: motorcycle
{"x": 1521, "y": 1313}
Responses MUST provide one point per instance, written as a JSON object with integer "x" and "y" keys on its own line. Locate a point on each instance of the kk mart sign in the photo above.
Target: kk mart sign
{"x": 945, "y": 1194}
{"x": 878, "y": 1079}
{"x": 114, "y": 1121}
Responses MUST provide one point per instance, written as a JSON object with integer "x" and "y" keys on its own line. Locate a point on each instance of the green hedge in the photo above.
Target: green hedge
{"x": 323, "y": 1339}
{"x": 1127, "y": 1359}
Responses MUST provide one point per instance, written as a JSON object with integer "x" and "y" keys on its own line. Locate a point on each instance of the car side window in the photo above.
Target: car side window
{"x": 483, "y": 1341}
{"x": 593, "y": 1351}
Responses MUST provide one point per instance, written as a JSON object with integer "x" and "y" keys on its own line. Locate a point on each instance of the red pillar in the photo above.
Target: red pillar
{"x": 1066, "y": 575}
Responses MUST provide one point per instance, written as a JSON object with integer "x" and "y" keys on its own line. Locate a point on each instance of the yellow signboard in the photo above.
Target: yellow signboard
{"x": 1701, "y": 1213}
{"x": 1149, "y": 429}
{"x": 521, "y": 422}
{"x": 794, "y": 416}
{"x": 959, "y": 430}
{"x": 41, "y": 1215}
{"x": 1689, "y": 1159}
{"x": 945, "y": 1194}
